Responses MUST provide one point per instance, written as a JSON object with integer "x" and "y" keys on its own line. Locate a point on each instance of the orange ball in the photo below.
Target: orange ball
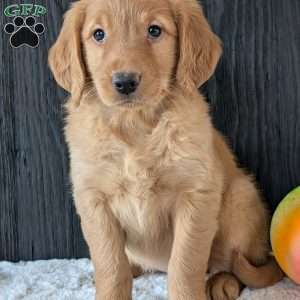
{"x": 285, "y": 235}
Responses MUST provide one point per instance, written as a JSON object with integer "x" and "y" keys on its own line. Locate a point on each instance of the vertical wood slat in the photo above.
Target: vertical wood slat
{"x": 254, "y": 97}
{"x": 255, "y": 94}
{"x": 38, "y": 218}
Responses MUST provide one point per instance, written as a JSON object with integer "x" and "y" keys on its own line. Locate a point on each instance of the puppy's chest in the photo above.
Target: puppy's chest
{"x": 142, "y": 202}
{"x": 144, "y": 190}
{"x": 144, "y": 181}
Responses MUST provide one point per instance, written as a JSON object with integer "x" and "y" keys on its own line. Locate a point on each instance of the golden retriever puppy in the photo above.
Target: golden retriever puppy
{"x": 155, "y": 185}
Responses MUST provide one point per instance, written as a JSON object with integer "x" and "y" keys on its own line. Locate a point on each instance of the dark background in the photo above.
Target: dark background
{"x": 255, "y": 100}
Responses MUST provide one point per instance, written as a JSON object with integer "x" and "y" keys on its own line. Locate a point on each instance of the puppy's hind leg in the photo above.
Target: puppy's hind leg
{"x": 246, "y": 224}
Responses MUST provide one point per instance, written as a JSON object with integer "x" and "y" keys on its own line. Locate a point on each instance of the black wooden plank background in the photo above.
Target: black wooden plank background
{"x": 255, "y": 99}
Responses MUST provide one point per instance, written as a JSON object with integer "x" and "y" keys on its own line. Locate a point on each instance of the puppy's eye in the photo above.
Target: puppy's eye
{"x": 154, "y": 31}
{"x": 99, "y": 35}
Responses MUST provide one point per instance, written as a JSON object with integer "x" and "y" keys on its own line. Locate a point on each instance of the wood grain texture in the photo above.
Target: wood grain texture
{"x": 37, "y": 214}
{"x": 255, "y": 100}
{"x": 255, "y": 95}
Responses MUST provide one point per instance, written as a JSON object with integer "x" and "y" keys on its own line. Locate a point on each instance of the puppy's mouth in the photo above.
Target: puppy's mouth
{"x": 134, "y": 101}
{"x": 129, "y": 103}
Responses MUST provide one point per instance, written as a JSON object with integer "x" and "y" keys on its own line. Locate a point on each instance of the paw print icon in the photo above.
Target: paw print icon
{"x": 24, "y": 32}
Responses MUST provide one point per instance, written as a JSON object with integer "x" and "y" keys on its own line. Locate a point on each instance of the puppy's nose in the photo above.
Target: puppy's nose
{"x": 125, "y": 83}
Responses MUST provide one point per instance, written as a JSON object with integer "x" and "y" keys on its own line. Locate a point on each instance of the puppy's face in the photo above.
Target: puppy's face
{"x": 132, "y": 51}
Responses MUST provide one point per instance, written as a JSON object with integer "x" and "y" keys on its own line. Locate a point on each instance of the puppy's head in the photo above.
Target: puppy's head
{"x": 133, "y": 51}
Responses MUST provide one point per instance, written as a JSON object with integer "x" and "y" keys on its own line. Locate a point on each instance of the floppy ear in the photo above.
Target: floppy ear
{"x": 65, "y": 57}
{"x": 199, "y": 48}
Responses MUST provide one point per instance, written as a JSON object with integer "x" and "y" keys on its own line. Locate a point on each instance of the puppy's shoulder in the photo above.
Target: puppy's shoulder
{"x": 86, "y": 132}
{"x": 189, "y": 113}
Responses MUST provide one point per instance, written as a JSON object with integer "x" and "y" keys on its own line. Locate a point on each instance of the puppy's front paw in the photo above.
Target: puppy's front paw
{"x": 223, "y": 286}
{"x": 113, "y": 296}
{"x": 187, "y": 295}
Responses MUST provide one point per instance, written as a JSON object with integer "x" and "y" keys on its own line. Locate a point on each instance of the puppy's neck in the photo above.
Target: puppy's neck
{"x": 133, "y": 125}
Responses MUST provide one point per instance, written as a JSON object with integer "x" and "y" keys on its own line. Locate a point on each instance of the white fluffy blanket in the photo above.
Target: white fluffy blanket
{"x": 72, "y": 280}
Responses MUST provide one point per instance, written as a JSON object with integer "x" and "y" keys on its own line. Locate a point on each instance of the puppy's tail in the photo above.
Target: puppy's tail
{"x": 256, "y": 276}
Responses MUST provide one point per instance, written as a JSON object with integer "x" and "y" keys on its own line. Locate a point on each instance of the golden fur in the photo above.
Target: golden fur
{"x": 155, "y": 185}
